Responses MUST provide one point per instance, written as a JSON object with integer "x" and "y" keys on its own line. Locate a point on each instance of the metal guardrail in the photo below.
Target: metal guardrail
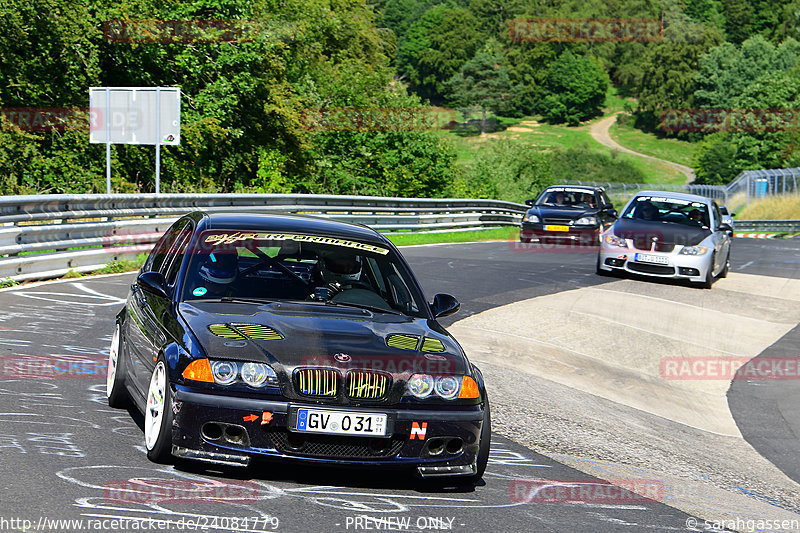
{"x": 789, "y": 226}
{"x": 45, "y": 236}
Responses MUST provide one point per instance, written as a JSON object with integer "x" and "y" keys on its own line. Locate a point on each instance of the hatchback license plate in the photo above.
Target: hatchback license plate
{"x": 341, "y": 422}
{"x": 648, "y": 258}
{"x": 550, "y": 227}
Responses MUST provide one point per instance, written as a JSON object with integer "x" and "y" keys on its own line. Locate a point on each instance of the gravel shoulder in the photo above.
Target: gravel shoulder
{"x": 561, "y": 385}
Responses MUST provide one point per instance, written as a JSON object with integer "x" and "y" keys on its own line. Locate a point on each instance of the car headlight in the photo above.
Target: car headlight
{"x": 447, "y": 387}
{"x": 693, "y": 250}
{"x": 586, "y": 221}
{"x": 420, "y": 385}
{"x": 530, "y": 218}
{"x": 259, "y": 375}
{"x": 613, "y": 240}
{"x": 224, "y": 372}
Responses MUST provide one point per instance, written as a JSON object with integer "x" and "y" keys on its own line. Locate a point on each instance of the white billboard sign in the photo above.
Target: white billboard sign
{"x": 135, "y": 115}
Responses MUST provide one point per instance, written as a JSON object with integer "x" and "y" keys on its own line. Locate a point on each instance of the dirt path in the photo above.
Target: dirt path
{"x": 600, "y": 134}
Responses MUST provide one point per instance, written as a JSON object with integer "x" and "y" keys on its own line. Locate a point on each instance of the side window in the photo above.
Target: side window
{"x": 717, "y": 215}
{"x": 174, "y": 256}
{"x": 156, "y": 259}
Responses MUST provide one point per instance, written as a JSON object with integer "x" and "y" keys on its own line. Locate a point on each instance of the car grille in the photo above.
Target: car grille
{"x": 562, "y": 221}
{"x": 645, "y": 244}
{"x": 317, "y": 382}
{"x": 651, "y": 269}
{"x": 335, "y": 446}
{"x": 367, "y": 385}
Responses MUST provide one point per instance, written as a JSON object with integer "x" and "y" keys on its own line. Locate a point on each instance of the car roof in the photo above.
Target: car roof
{"x": 304, "y": 224}
{"x": 675, "y": 196}
{"x": 587, "y": 188}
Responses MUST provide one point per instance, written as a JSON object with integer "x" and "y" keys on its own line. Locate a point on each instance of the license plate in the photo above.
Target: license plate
{"x": 648, "y": 258}
{"x": 341, "y": 422}
{"x": 550, "y": 227}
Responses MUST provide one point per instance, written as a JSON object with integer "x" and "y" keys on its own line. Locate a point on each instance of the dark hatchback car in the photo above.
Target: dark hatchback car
{"x": 296, "y": 339}
{"x": 568, "y": 214}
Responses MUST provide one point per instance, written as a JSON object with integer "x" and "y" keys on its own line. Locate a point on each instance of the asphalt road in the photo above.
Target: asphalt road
{"x": 65, "y": 453}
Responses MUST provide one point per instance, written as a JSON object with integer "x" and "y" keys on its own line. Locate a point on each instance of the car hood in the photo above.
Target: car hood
{"x": 570, "y": 213}
{"x": 298, "y": 334}
{"x": 642, "y": 232}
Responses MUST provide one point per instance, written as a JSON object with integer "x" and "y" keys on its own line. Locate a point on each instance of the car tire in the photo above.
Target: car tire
{"x": 158, "y": 415}
{"x": 599, "y": 271}
{"x": 115, "y": 373}
{"x": 709, "y": 282}
{"x": 724, "y": 272}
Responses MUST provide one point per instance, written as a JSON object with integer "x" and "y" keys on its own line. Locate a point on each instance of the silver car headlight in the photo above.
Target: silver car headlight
{"x": 693, "y": 250}
{"x": 613, "y": 240}
{"x": 530, "y": 218}
{"x": 586, "y": 221}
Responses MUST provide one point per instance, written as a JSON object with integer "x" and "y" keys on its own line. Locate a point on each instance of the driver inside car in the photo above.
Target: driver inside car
{"x": 343, "y": 273}
{"x": 217, "y": 274}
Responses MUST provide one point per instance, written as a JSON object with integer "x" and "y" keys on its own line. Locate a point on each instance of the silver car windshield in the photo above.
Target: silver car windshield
{"x": 670, "y": 210}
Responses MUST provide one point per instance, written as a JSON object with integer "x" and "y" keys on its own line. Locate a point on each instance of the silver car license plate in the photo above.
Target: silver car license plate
{"x": 650, "y": 258}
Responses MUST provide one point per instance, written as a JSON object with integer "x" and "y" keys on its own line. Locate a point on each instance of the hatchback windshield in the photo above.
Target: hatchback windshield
{"x": 567, "y": 197}
{"x": 661, "y": 209}
{"x": 279, "y": 266}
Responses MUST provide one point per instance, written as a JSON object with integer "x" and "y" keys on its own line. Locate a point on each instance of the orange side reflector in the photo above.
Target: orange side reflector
{"x": 469, "y": 389}
{"x": 199, "y": 370}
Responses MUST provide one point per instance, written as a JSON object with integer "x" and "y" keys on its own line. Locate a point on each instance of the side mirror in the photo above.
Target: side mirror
{"x": 608, "y": 207}
{"x": 733, "y": 215}
{"x": 444, "y": 305}
{"x": 154, "y": 283}
{"x": 529, "y": 203}
{"x": 613, "y": 213}
{"x": 725, "y": 227}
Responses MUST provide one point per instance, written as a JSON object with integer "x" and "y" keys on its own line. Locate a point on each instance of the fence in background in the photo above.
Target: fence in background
{"x": 747, "y": 186}
{"x": 46, "y": 236}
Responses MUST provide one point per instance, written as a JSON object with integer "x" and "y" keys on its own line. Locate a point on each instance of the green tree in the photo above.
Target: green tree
{"x": 575, "y": 89}
{"x": 482, "y": 83}
{"x": 435, "y": 47}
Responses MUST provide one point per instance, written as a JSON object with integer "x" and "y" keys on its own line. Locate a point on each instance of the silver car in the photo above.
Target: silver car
{"x": 727, "y": 217}
{"x": 668, "y": 235}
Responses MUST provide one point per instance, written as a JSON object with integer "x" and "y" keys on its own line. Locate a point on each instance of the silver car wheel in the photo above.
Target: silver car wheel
{"x": 113, "y": 357}
{"x": 154, "y": 413}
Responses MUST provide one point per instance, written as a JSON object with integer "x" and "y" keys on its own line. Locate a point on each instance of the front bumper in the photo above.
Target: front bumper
{"x": 231, "y": 430}
{"x": 673, "y": 265}
{"x": 573, "y": 236}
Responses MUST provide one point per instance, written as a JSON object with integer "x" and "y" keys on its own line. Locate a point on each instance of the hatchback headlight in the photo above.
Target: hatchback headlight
{"x": 693, "y": 250}
{"x": 530, "y": 218}
{"x": 613, "y": 240}
{"x": 586, "y": 221}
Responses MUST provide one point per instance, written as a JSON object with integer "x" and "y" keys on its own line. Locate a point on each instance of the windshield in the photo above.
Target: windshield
{"x": 567, "y": 197}
{"x": 661, "y": 209}
{"x": 278, "y": 266}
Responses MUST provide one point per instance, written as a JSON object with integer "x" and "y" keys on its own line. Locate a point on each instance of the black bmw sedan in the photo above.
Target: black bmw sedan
{"x": 295, "y": 339}
{"x": 568, "y": 214}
